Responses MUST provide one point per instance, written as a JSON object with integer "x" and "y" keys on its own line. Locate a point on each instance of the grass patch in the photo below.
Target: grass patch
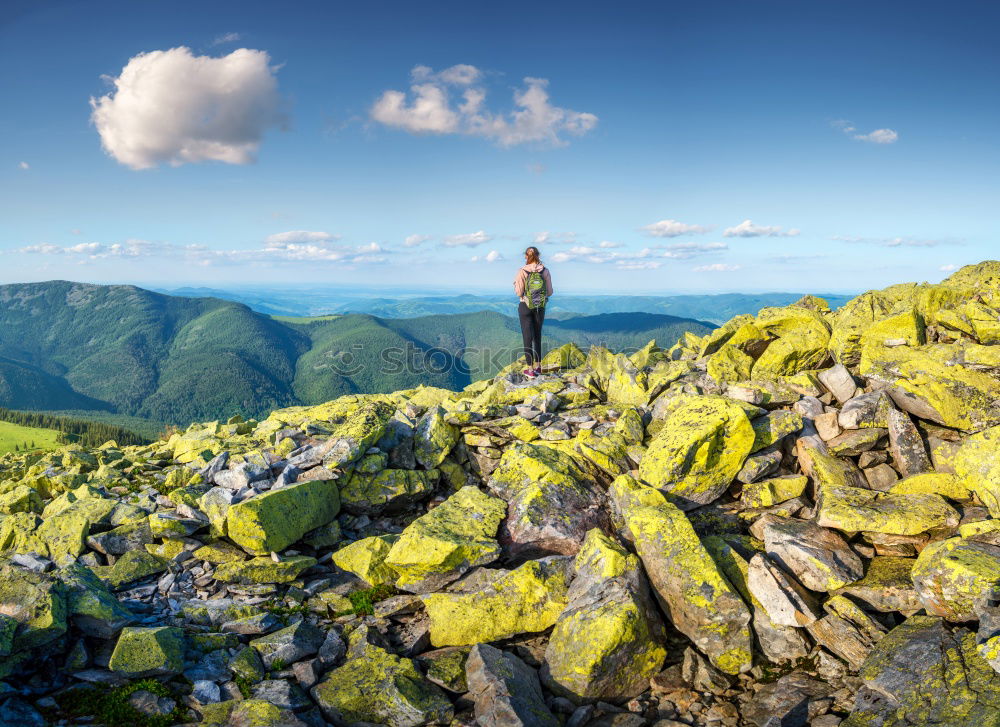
{"x": 112, "y": 708}
{"x": 24, "y": 438}
{"x": 364, "y": 601}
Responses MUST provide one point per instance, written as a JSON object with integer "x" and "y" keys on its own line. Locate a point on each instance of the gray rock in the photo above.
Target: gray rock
{"x": 290, "y": 644}
{"x": 785, "y": 703}
{"x": 907, "y": 447}
{"x": 758, "y": 466}
{"x": 216, "y": 465}
{"x": 120, "y": 540}
{"x": 819, "y": 558}
{"x": 282, "y": 693}
{"x": 506, "y": 691}
{"x": 260, "y": 623}
{"x": 16, "y": 711}
{"x": 839, "y": 382}
{"x": 787, "y": 603}
{"x": 206, "y": 692}
{"x": 332, "y": 649}
{"x": 865, "y": 410}
{"x": 151, "y": 705}
{"x": 922, "y": 673}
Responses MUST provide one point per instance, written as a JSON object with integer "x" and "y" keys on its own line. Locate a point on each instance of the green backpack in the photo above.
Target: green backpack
{"x": 534, "y": 291}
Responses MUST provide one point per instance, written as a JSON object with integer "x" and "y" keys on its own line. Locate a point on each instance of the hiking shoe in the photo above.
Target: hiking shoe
{"x": 530, "y": 373}
{"x": 538, "y": 371}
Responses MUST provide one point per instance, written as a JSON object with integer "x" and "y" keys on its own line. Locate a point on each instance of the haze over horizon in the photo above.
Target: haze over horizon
{"x": 653, "y": 148}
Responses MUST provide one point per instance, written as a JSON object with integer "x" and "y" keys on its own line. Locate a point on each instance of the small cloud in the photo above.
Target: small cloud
{"x": 554, "y": 238}
{"x": 748, "y": 229}
{"x": 415, "y": 240}
{"x": 878, "y": 136}
{"x": 687, "y": 250}
{"x": 469, "y": 239}
{"x": 219, "y": 108}
{"x": 23, "y": 165}
{"x": 280, "y": 239}
{"x": 430, "y": 109}
{"x": 637, "y": 265}
{"x": 949, "y": 268}
{"x": 673, "y": 228}
{"x": 898, "y": 241}
{"x": 226, "y": 38}
{"x": 491, "y": 257}
{"x": 716, "y": 268}
{"x": 608, "y": 244}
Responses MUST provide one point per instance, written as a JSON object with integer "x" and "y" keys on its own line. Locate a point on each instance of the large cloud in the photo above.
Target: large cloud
{"x": 431, "y": 109}
{"x": 174, "y": 107}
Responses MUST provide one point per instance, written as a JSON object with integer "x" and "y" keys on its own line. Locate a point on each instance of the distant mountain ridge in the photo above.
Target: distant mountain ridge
{"x": 131, "y": 351}
{"x": 311, "y": 301}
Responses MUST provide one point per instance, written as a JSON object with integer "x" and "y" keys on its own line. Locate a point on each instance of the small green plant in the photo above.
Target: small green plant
{"x": 245, "y": 686}
{"x": 113, "y": 708}
{"x": 278, "y": 664}
{"x": 364, "y": 600}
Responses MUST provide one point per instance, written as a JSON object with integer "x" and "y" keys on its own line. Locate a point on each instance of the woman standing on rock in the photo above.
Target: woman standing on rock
{"x": 533, "y": 286}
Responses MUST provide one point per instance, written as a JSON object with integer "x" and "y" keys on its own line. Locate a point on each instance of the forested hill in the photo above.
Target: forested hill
{"x": 123, "y": 349}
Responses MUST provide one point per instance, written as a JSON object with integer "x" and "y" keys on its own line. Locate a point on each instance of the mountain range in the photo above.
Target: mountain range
{"x": 124, "y": 350}
{"x": 401, "y": 303}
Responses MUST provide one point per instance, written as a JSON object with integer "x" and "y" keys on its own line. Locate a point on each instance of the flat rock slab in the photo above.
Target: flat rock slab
{"x": 506, "y": 691}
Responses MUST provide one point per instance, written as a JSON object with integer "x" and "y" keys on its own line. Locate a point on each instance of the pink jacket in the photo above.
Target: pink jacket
{"x": 522, "y": 277}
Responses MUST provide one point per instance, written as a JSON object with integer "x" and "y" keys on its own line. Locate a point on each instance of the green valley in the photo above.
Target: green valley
{"x": 124, "y": 352}
{"x": 15, "y": 437}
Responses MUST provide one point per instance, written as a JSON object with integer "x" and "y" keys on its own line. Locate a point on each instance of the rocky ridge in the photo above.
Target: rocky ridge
{"x": 792, "y": 520}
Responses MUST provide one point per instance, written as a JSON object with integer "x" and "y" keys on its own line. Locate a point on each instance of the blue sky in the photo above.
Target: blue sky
{"x": 651, "y": 147}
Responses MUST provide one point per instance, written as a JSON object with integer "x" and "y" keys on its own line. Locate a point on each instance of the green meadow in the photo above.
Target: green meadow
{"x": 13, "y": 435}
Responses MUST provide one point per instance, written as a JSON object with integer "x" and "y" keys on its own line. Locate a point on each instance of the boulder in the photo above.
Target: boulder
{"x": 819, "y": 558}
{"x": 699, "y": 600}
{"x": 505, "y": 690}
{"x": 264, "y": 570}
{"x": 551, "y": 502}
{"x": 787, "y": 603}
{"x": 699, "y": 450}
{"x": 275, "y": 519}
{"x": 853, "y": 509}
{"x": 376, "y": 687}
{"x": 907, "y": 448}
{"x": 951, "y": 576}
{"x": 148, "y": 651}
{"x": 387, "y": 491}
{"x": 922, "y": 673}
{"x": 441, "y": 545}
{"x": 608, "y": 641}
{"x": 528, "y": 599}
{"x": 35, "y": 603}
{"x": 433, "y": 438}
{"x": 365, "y": 558}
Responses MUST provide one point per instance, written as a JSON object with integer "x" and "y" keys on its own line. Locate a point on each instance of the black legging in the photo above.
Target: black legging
{"x": 531, "y": 332}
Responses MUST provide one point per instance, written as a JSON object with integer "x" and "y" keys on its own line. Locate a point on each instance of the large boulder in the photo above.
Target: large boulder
{"x": 148, "y": 651}
{"x": 551, "y": 502}
{"x": 854, "y": 509}
{"x": 275, "y": 519}
{"x": 376, "y": 687}
{"x": 434, "y": 438}
{"x": 699, "y": 600}
{"x": 505, "y": 690}
{"x": 608, "y": 641}
{"x": 390, "y": 490}
{"x": 819, "y": 558}
{"x": 527, "y": 599}
{"x": 922, "y": 673}
{"x": 441, "y": 545}
{"x": 951, "y": 577}
{"x": 699, "y": 450}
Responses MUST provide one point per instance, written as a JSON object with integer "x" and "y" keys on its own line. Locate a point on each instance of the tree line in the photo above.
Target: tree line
{"x": 85, "y": 433}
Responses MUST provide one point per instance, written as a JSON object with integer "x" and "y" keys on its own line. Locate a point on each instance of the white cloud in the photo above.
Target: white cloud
{"x": 431, "y": 109}
{"x": 415, "y": 240}
{"x": 716, "y": 268}
{"x": 748, "y": 229}
{"x": 554, "y": 238}
{"x": 491, "y": 257}
{"x": 469, "y": 239}
{"x": 226, "y": 38}
{"x": 608, "y": 244}
{"x": 637, "y": 265}
{"x": 878, "y": 136}
{"x": 687, "y": 250}
{"x": 23, "y": 165}
{"x": 293, "y": 236}
{"x": 949, "y": 268}
{"x": 673, "y": 228}
{"x": 898, "y": 241}
{"x": 174, "y": 107}
{"x": 289, "y": 252}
